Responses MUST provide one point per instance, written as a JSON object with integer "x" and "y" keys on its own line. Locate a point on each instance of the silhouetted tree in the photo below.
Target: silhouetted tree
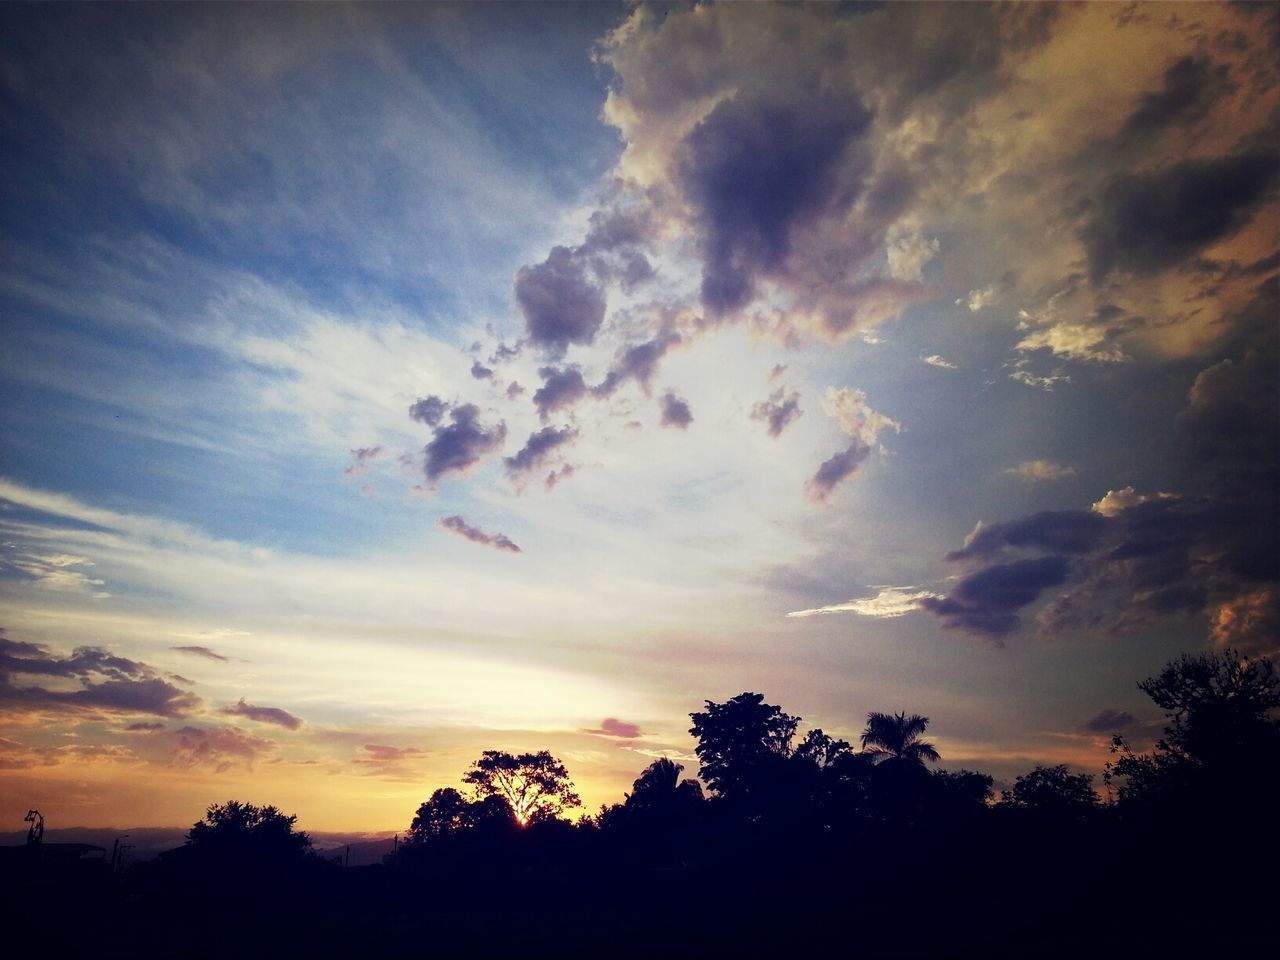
{"x": 741, "y": 744}
{"x": 243, "y": 836}
{"x": 895, "y": 738}
{"x": 1053, "y": 792}
{"x": 1221, "y": 745}
{"x": 535, "y": 786}
{"x": 442, "y": 816}
{"x": 659, "y": 787}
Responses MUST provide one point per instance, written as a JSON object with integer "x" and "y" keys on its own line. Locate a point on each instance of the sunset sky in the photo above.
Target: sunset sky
{"x": 384, "y": 384}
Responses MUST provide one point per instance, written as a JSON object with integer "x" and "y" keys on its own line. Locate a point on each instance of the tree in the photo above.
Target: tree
{"x": 1221, "y": 745}
{"x": 741, "y": 744}
{"x": 659, "y": 788}
{"x": 895, "y": 738}
{"x": 1054, "y": 792}
{"x": 240, "y": 834}
{"x": 536, "y": 786}
{"x": 442, "y": 815}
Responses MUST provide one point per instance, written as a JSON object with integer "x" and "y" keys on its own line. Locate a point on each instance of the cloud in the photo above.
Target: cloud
{"x": 560, "y": 305}
{"x": 1060, "y": 531}
{"x": 1192, "y": 85}
{"x": 361, "y": 458}
{"x": 196, "y": 650}
{"x": 757, "y": 169}
{"x": 936, "y": 361}
{"x": 777, "y": 412}
{"x": 1115, "y": 502}
{"x": 986, "y": 603}
{"x": 538, "y": 450}
{"x": 380, "y": 753}
{"x": 889, "y": 603}
{"x": 498, "y": 541}
{"x": 1153, "y": 220}
{"x": 1036, "y": 471}
{"x": 219, "y": 747}
{"x": 675, "y": 412}
{"x": 637, "y": 362}
{"x": 480, "y": 372}
{"x": 57, "y": 572}
{"x": 613, "y": 727}
{"x": 460, "y": 444}
{"x": 1249, "y": 622}
{"x": 560, "y": 389}
{"x": 850, "y": 410}
{"x": 1110, "y": 721}
{"x": 429, "y": 410}
{"x": 835, "y": 469}
{"x": 272, "y": 715}
{"x": 107, "y": 683}
{"x": 144, "y": 726}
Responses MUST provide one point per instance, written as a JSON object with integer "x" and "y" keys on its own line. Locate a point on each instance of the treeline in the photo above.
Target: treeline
{"x": 798, "y": 843}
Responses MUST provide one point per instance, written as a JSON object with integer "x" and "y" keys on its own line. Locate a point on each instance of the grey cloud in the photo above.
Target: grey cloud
{"x": 987, "y": 602}
{"x": 480, "y": 371}
{"x": 560, "y": 389}
{"x": 560, "y": 304}
{"x": 777, "y": 412}
{"x": 514, "y": 390}
{"x": 272, "y": 715}
{"x": 219, "y": 747}
{"x": 1191, "y": 87}
{"x": 538, "y": 449}
{"x": 556, "y": 476}
{"x": 498, "y": 541}
{"x": 1110, "y": 721}
{"x": 755, "y": 170}
{"x": 429, "y": 410}
{"x": 462, "y": 443}
{"x": 835, "y": 470}
{"x": 638, "y": 362}
{"x": 1148, "y": 221}
{"x": 1059, "y": 531}
{"x": 361, "y": 457}
{"x": 675, "y": 412}
{"x": 144, "y": 727}
{"x": 199, "y": 651}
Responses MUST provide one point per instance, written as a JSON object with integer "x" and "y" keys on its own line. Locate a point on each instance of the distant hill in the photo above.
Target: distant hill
{"x": 149, "y": 842}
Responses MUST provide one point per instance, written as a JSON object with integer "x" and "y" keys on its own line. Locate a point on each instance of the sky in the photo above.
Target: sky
{"x": 386, "y": 384}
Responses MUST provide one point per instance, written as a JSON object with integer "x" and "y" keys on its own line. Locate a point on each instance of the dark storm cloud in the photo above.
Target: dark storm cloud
{"x": 429, "y": 410}
{"x": 755, "y": 171}
{"x": 538, "y": 449}
{"x": 560, "y": 389}
{"x": 199, "y": 651}
{"x": 986, "y": 602}
{"x": 273, "y": 715}
{"x": 1058, "y": 531}
{"x": 560, "y": 303}
{"x": 777, "y": 412}
{"x": 498, "y": 541}
{"x": 462, "y": 443}
{"x": 1146, "y": 222}
{"x": 1191, "y": 87}
{"x": 638, "y": 362}
{"x": 675, "y": 412}
{"x": 835, "y": 470}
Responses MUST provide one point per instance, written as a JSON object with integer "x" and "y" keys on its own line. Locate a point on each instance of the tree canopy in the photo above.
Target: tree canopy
{"x": 536, "y": 786}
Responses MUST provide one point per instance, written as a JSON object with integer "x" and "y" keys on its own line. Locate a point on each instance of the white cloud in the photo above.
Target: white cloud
{"x": 934, "y": 360}
{"x": 889, "y": 603}
{"x": 848, "y": 407}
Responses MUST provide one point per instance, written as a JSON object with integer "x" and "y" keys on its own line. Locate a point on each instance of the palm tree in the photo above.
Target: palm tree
{"x": 896, "y": 738}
